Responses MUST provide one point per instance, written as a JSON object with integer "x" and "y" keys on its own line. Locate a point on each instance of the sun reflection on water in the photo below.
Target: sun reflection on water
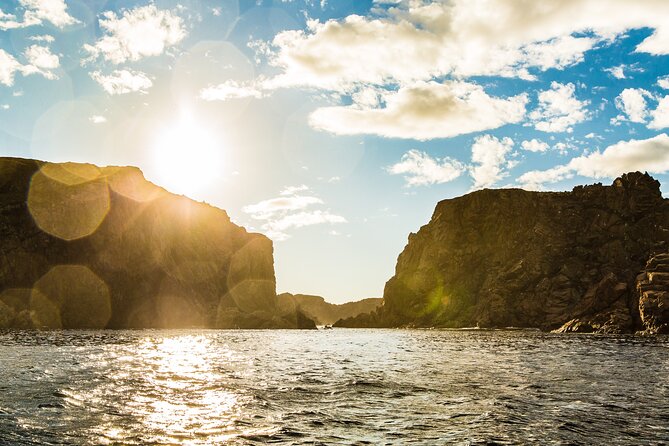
{"x": 173, "y": 394}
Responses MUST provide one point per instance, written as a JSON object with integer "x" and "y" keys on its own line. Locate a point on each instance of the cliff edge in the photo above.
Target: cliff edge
{"x": 89, "y": 247}
{"x": 590, "y": 260}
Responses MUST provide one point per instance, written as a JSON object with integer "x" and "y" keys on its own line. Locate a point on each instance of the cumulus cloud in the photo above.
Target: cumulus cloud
{"x": 461, "y": 38}
{"x": 650, "y": 155}
{"x": 41, "y": 60}
{"x": 123, "y": 81}
{"x": 424, "y": 110}
{"x": 36, "y": 12}
{"x": 534, "y": 145}
{"x": 558, "y": 110}
{"x": 489, "y": 158}
{"x": 230, "y": 89}
{"x": 420, "y": 169}
{"x": 290, "y": 211}
{"x": 632, "y": 102}
{"x": 137, "y": 33}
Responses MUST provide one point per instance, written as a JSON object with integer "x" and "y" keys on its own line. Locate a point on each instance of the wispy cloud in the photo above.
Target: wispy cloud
{"x": 289, "y": 211}
{"x": 123, "y": 81}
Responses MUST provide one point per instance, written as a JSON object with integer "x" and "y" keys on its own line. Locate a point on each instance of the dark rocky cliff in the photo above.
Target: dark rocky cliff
{"x": 89, "y": 247}
{"x": 325, "y": 313}
{"x": 586, "y": 260}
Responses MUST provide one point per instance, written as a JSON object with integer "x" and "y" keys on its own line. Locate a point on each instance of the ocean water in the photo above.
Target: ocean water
{"x": 208, "y": 387}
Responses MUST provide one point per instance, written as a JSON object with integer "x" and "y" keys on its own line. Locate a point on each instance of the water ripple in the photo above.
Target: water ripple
{"x": 206, "y": 387}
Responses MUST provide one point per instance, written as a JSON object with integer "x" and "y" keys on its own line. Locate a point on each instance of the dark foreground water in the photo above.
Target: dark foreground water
{"x": 332, "y": 387}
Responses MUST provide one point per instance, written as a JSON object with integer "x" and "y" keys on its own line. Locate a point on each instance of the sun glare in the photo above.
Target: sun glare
{"x": 186, "y": 157}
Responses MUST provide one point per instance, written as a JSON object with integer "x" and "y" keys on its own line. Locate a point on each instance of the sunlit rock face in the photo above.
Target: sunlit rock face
{"x": 89, "y": 247}
{"x": 550, "y": 260}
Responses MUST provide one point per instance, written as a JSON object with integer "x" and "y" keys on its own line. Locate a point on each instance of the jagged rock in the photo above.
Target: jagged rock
{"x": 322, "y": 312}
{"x": 89, "y": 247}
{"x": 652, "y": 287}
{"x": 565, "y": 261}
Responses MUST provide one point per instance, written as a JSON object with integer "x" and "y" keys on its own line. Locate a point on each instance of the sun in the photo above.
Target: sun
{"x": 186, "y": 157}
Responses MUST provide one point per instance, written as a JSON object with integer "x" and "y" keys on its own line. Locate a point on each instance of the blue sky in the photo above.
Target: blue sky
{"x": 336, "y": 126}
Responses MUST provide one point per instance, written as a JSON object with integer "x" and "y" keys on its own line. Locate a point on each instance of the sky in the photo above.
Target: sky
{"x": 334, "y": 127}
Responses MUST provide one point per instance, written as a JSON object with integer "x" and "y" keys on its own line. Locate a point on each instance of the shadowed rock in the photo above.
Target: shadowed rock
{"x": 89, "y": 247}
{"x": 325, "y": 313}
{"x": 549, "y": 260}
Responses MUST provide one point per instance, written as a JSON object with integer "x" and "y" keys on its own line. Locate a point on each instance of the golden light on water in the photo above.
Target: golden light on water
{"x": 179, "y": 398}
{"x": 186, "y": 156}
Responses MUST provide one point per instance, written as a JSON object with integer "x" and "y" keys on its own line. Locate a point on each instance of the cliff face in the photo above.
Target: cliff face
{"x": 89, "y": 247}
{"x": 574, "y": 261}
{"x": 325, "y": 313}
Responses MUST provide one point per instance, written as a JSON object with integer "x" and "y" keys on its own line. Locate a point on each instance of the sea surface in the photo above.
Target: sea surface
{"x": 341, "y": 386}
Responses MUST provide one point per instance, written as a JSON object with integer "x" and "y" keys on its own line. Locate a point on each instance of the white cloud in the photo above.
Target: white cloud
{"x": 419, "y": 40}
{"x": 123, "y": 81}
{"x": 558, "y": 109}
{"x": 41, "y": 61}
{"x": 632, "y": 102}
{"x": 292, "y": 190}
{"x": 289, "y": 211}
{"x": 230, "y": 89}
{"x": 489, "y": 158}
{"x": 42, "y": 38}
{"x": 558, "y": 53}
{"x": 649, "y": 155}
{"x": 268, "y": 208}
{"x": 424, "y": 110}
{"x": 8, "y": 66}
{"x": 97, "y": 119}
{"x": 663, "y": 82}
{"x": 420, "y": 169}
{"x": 660, "y": 116}
{"x": 618, "y": 72}
{"x": 37, "y": 12}
{"x": 302, "y": 219}
{"x": 137, "y": 33}
{"x": 534, "y": 145}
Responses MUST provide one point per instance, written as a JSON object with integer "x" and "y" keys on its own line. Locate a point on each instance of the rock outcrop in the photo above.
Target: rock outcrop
{"x": 89, "y": 247}
{"x": 588, "y": 260}
{"x": 325, "y": 313}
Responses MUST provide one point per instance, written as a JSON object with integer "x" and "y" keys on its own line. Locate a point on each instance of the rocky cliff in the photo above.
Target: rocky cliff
{"x": 593, "y": 259}
{"x": 325, "y": 313}
{"x": 89, "y": 247}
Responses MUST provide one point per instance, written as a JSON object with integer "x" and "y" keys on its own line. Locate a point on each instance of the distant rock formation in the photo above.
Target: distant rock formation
{"x": 325, "y": 313}
{"x": 89, "y": 247}
{"x": 595, "y": 259}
